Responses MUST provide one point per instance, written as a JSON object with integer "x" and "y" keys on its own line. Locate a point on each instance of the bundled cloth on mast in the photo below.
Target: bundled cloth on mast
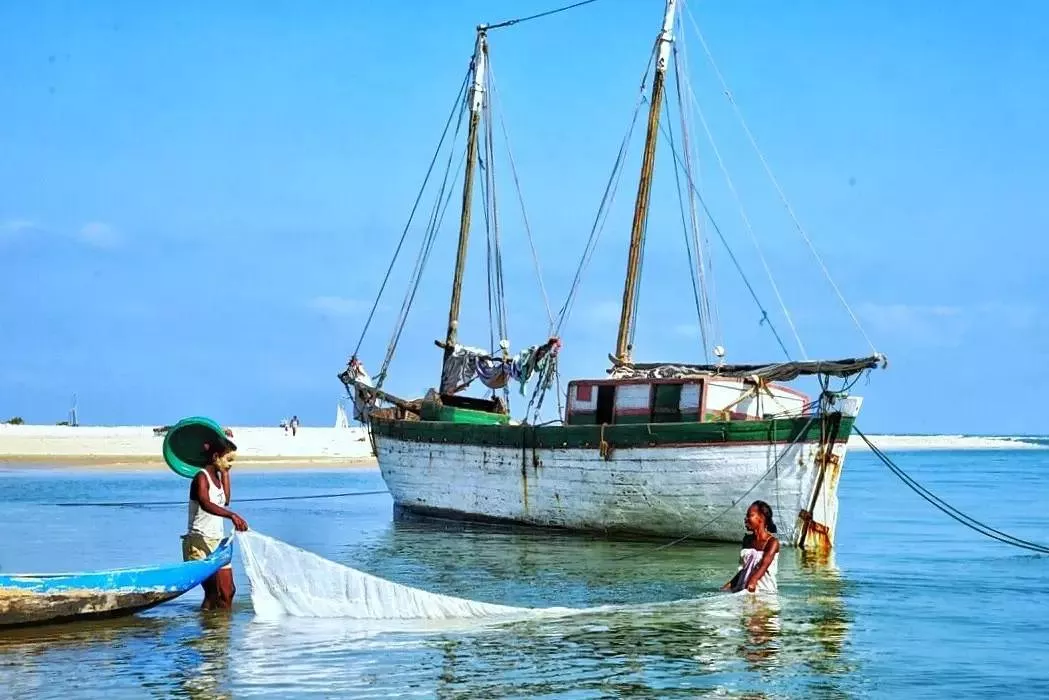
{"x": 465, "y": 363}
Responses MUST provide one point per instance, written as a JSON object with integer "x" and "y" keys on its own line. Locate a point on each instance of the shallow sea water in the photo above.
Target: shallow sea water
{"x": 913, "y": 604}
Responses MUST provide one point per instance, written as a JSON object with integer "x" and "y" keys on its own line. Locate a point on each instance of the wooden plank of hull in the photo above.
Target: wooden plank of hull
{"x": 30, "y": 609}
{"x": 665, "y": 491}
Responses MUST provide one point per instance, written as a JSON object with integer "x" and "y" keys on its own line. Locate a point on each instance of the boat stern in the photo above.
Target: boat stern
{"x": 817, "y": 525}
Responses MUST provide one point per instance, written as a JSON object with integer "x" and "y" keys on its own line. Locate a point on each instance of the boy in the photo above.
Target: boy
{"x": 208, "y": 494}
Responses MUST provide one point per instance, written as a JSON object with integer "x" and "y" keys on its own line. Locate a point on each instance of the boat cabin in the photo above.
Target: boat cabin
{"x": 691, "y": 400}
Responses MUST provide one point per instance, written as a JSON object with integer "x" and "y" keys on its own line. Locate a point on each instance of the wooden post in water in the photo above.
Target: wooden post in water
{"x": 644, "y": 188}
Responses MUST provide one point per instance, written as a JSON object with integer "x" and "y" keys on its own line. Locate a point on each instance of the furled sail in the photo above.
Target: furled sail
{"x": 774, "y": 372}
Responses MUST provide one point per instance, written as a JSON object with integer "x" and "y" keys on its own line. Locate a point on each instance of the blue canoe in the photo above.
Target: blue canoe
{"x": 34, "y": 599}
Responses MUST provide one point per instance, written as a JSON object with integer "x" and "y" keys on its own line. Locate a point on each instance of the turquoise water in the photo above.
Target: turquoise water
{"x": 913, "y": 605}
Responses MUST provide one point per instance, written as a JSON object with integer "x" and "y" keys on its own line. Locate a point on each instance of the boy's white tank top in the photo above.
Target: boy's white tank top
{"x": 204, "y": 523}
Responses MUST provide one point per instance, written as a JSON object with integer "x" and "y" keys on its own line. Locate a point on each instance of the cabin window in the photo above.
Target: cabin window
{"x": 584, "y": 393}
{"x": 666, "y": 403}
{"x": 606, "y": 404}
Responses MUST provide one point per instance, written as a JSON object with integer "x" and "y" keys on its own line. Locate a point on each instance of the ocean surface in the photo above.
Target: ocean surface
{"x": 913, "y": 605}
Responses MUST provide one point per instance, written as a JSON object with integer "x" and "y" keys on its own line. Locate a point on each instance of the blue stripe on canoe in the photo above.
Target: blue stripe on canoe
{"x": 171, "y": 578}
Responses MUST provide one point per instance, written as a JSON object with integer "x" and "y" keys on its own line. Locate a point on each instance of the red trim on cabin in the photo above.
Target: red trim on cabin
{"x": 633, "y": 411}
{"x": 621, "y": 382}
{"x": 703, "y": 402}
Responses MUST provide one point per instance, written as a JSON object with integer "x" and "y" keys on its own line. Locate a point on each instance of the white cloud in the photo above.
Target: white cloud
{"x": 14, "y": 227}
{"x": 338, "y": 306}
{"x": 1013, "y": 316}
{"x": 99, "y": 234}
{"x": 945, "y": 325}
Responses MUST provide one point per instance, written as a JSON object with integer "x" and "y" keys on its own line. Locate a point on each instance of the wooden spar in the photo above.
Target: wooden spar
{"x": 388, "y": 398}
{"x": 476, "y": 102}
{"x": 644, "y": 188}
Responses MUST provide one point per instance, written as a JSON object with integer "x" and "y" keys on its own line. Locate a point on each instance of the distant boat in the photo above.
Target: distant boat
{"x": 36, "y": 599}
{"x": 341, "y": 421}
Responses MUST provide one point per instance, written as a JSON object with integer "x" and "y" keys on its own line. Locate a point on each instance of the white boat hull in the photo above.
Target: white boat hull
{"x": 696, "y": 490}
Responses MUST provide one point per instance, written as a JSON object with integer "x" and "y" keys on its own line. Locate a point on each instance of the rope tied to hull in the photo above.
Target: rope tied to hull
{"x": 772, "y": 469}
{"x": 603, "y": 448}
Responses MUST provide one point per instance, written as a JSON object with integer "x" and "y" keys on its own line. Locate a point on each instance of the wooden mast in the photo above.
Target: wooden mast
{"x": 476, "y": 103}
{"x": 644, "y": 188}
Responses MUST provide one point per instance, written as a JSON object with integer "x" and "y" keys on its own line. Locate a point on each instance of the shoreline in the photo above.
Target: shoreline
{"x": 150, "y": 463}
{"x": 137, "y": 447}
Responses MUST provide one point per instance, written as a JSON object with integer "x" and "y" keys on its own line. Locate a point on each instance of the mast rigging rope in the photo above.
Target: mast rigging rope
{"x": 732, "y": 256}
{"x": 519, "y": 20}
{"x": 411, "y": 216}
{"x": 775, "y": 181}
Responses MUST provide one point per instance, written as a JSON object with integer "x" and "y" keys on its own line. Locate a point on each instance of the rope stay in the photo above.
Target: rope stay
{"x": 946, "y": 508}
{"x": 600, "y": 221}
{"x": 440, "y": 206}
{"x": 436, "y": 219}
{"x": 456, "y": 107}
{"x": 744, "y": 217}
{"x": 775, "y": 181}
{"x": 689, "y": 231}
{"x": 494, "y": 97}
{"x": 700, "y": 291}
{"x": 521, "y": 203}
{"x": 604, "y": 208}
{"x": 519, "y": 20}
{"x": 774, "y": 468}
{"x": 700, "y": 241}
{"x": 764, "y": 320}
{"x": 499, "y": 321}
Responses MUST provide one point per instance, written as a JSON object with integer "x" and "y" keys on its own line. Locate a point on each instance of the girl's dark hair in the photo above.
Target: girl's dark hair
{"x": 766, "y": 512}
{"x": 219, "y": 449}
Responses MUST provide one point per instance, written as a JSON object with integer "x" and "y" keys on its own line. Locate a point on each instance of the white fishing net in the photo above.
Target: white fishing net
{"x": 286, "y": 580}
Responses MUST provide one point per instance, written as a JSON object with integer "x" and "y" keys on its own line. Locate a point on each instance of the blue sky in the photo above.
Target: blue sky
{"x": 198, "y": 200}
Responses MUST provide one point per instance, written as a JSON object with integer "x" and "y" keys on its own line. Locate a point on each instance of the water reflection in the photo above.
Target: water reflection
{"x": 43, "y": 661}
{"x": 204, "y": 671}
{"x": 538, "y": 568}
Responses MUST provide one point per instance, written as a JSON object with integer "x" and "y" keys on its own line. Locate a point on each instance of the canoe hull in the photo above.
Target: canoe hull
{"x": 37, "y": 599}
{"x": 56, "y": 608}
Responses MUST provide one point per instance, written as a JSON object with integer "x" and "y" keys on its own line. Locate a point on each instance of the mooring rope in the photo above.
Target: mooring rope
{"x": 239, "y": 500}
{"x": 955, "y": 514}
{"x": 698, "y": 531}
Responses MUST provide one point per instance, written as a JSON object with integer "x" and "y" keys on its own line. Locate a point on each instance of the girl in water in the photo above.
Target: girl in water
{"x": 758, "y": 556}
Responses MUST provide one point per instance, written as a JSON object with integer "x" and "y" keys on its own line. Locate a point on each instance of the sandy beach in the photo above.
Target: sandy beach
{"x": 138, "y": 446}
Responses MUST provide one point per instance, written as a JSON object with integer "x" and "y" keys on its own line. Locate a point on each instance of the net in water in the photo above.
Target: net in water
{"x": 286, "y": 580}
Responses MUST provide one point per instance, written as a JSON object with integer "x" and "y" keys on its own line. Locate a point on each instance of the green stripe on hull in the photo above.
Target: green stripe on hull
{"x": 621, "y": 436}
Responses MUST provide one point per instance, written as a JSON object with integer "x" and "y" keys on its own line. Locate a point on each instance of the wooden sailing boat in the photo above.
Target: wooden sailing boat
{"x": 662, "y": 449}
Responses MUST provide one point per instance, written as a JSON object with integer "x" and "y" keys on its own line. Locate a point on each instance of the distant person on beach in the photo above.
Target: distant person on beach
{"x": 758, "y": 556}
{"x": 209, "y": 493}
{"x": 294, "y": 425}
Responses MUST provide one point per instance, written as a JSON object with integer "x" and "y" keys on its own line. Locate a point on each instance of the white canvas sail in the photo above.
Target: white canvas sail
{"x": 341, "y": 421}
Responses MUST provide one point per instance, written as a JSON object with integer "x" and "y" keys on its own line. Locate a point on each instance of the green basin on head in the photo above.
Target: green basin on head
{"x": 184, "y": 450}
